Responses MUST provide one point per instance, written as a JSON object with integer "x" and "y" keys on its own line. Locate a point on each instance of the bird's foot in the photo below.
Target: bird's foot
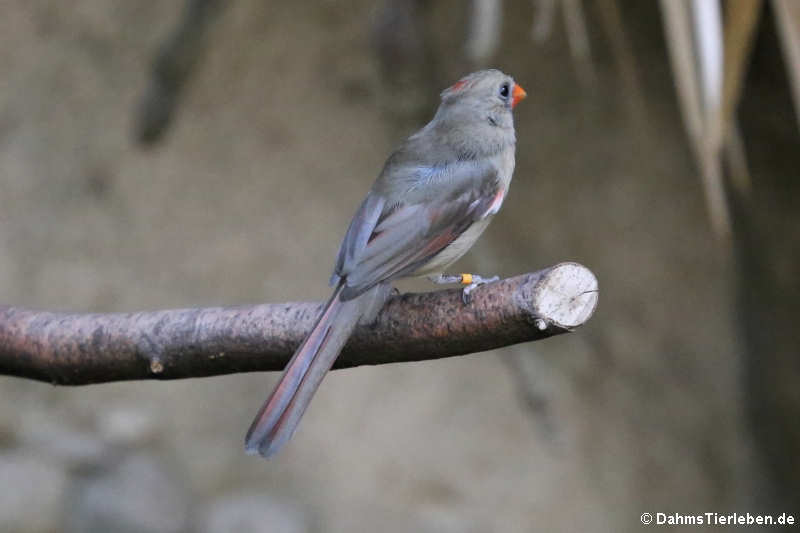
{"x": 472, "y": 281}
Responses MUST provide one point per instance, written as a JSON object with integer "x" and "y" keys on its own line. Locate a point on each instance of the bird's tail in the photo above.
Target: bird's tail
{"x": 278, "y": 417}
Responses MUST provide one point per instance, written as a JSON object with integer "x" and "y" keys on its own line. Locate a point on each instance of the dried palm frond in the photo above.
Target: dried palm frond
{"x": 576, "y": 31}
{"x": 621, "y": 48}
{"x": 543, "y": 19}
{"x": 741, "y": 21}
{"x": 694, "y": 38}
{"x": 578, "y": 39}
{"x": 484, "y": 30}
{"x": 787, "y": 17}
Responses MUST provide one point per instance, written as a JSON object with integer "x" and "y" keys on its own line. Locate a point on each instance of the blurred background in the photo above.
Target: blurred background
{"x": 165, "y": 153}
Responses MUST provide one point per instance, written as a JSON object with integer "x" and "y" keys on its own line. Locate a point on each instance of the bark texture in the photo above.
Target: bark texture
{"x": 78, "y": 349}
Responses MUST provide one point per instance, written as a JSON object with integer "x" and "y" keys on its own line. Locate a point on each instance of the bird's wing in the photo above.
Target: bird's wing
{"x": 358, "y": 234}
{"x": 388, "y": 241}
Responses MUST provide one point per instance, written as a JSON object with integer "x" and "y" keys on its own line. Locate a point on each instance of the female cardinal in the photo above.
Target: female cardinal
{"x": 434, "y": 197}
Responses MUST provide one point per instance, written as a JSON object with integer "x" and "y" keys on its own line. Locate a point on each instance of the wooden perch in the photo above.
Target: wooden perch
{"x": 78, "y": 349}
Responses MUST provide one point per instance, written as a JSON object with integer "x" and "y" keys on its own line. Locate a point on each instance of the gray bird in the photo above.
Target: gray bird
{"x": 434, "y": 197}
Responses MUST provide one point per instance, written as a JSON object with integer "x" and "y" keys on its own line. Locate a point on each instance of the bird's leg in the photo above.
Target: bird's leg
{"x": 444, "y": 279}
{"x": 470, "y": 280}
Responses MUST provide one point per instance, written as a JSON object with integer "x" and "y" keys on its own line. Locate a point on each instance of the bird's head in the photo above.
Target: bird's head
{"x": 487, "y": 94}
{"x": 474, "y": 118}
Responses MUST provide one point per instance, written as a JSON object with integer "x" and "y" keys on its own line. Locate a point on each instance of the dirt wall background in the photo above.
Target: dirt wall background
{"x": 282, "y": 129}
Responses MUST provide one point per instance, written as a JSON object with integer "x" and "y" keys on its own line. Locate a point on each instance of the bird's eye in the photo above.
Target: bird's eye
{"x": 504, "y": 90}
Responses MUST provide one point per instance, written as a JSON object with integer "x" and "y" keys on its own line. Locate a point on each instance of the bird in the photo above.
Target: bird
{"x": 434, "y": 197}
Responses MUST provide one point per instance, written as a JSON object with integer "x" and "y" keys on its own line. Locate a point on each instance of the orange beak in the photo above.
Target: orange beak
{"x": 517, "y": 94}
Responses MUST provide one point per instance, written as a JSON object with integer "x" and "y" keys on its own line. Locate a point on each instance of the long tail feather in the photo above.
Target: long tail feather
{"x": 278, "y": 418}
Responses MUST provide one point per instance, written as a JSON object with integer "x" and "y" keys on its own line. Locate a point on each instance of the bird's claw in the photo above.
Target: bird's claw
{"x": 466, "y": 293}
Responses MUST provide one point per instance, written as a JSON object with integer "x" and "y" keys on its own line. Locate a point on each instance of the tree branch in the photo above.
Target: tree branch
{"x": 77, "y": 349}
